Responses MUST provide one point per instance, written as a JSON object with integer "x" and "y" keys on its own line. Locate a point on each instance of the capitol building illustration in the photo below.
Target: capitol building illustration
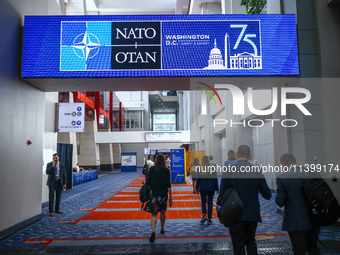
{"x": 243, "y": 60}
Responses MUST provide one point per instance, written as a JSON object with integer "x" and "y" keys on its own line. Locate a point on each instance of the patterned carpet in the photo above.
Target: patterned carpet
{"x": 107, "y": 212}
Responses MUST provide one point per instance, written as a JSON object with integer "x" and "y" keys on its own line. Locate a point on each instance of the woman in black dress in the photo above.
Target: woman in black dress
{"x": 158, "y": 181}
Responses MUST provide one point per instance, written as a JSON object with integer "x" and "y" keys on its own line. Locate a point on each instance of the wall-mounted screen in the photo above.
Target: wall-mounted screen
{"x": 159, "y": 46}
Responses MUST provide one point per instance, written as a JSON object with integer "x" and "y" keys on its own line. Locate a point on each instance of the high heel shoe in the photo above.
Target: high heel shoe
{"x": 152, "y": 237}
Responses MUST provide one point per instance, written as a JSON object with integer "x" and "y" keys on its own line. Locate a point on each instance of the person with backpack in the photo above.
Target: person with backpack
{"x": 248, "y": 186}
{"x": 303, "y": 233}
{"x": 159, "y": 183}
{"x": 147, "y": 165}
{"x": 150, "y": 163}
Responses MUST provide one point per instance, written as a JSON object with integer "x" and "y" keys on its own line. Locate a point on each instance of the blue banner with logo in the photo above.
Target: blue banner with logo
{"x": 177, "y": 166}
{"x": 159, "y": 45}
{"x": 129, "y": 162}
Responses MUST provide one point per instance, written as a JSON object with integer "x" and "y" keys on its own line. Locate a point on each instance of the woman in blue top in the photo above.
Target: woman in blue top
{"x": 206, "y": 186}
{"x": 231, "y": 158}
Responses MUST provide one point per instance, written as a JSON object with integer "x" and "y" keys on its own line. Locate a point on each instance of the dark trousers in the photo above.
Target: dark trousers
{"x": 243, "y": 235}
{"x": 57, "y": 189}
{"x": 210, "y": 195}
{"x": 305, "y": 242}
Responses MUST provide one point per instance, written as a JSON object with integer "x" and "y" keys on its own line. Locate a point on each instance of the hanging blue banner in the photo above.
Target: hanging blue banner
{"x": 177, "y": 166}
{"x": 159, "y": 46}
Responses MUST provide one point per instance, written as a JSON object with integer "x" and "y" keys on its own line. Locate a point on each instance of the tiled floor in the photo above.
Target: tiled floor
{"x": 106, "y": 213}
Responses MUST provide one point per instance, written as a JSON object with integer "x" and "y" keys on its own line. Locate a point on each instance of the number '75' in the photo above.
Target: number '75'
{"x": 246, "y": 37}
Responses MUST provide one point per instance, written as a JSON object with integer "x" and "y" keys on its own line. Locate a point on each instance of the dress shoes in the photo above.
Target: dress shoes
{"x": 59, "y": 211}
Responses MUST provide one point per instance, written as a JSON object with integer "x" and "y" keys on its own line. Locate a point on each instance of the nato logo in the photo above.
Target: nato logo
{"x": 100, "y": 46}
{"x": 84, "y": 46}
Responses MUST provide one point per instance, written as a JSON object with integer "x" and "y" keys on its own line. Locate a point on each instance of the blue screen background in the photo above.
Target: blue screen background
{"x": 48, "y": 40}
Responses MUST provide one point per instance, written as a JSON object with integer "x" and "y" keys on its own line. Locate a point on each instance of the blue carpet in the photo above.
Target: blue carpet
{"x": 63, "y": 231}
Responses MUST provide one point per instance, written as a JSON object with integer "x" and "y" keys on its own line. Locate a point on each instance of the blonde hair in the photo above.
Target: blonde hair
{"x": 205, "y": 163}
{"x": 231, "y": 155}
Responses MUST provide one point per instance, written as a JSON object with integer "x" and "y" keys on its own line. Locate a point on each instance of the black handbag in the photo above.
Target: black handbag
{"x": 145, "y": 169}
{"x": 231, "y": 207}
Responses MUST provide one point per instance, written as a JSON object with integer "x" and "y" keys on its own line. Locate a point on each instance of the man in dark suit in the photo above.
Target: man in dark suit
{"x": 56, "y": 182}
{"x": 247, "y": 185}
{"x": 303, "y": 233}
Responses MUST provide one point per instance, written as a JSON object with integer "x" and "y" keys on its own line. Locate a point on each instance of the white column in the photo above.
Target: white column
{"x": 89, "y": 150}
{"x": 106, "y": 157}
{"x": 232, "y": 7}
{"x": 273, "y": 7}
{"x": 116, "y": 150}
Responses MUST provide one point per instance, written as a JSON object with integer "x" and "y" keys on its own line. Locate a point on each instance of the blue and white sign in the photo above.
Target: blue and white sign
{"x": 149, "y": 46}
{"x": 177, "y": 166}
{"x": 129, "y": 162}
{"x": 71, "y": 117}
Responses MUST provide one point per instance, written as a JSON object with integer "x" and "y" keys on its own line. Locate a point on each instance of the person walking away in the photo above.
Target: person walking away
{"x": 159, "y": 183}
{"x": 193, "y": 166}
{"x": 248, "y": 186}
{"x": 56, "y": 182}
{"x": 231, "y": 158}
{"x": 168, "y": 163}
{"x": 206, "y": 186}
{"x": 148, "y": 164}
{"x": 212, "y": 162}
{"x": 303, "y": 232}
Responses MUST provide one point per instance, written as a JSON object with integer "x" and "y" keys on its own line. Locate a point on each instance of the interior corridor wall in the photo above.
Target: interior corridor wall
{"x": 263, "y": 150}
{"x": 22, "y": 119}
{"x": 329, "y": 17}
{"x": 49, "y": 139}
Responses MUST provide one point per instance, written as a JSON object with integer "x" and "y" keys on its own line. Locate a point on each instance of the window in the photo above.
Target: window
{"x": 133, "y": 119}
{"x": 164, "y": 122}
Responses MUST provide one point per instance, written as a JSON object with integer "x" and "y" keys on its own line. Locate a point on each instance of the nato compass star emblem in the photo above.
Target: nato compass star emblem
{"x": 86, "y": 45}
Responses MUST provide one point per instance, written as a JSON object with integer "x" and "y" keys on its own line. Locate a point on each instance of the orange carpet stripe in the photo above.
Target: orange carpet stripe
{"x": 141, "y": 215}
{"x": 135, "y": 198}
{"x": 176, "y": 204}
{"x": 81, "y": 218}
{"x": 137, "y": 193}
{"x": 124, "y": 199}
{"x": 130, "y": 200}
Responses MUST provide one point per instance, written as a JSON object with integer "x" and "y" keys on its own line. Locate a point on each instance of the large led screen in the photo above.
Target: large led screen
{"x": 159, "y": 45}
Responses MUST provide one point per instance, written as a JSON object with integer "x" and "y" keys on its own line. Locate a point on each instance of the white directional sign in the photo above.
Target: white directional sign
{"x": 71, "y": 117}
